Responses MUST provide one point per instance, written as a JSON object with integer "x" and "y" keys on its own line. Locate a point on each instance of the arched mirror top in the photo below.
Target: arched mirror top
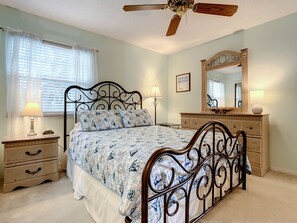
{"x": 224, "y": 81}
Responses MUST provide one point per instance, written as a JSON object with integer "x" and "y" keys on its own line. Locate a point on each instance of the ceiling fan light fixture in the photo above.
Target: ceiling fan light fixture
{"x": 180, "y": 7}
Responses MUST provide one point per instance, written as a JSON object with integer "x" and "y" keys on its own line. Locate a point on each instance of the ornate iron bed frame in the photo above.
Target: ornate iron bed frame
{"x": 109, "y": 95}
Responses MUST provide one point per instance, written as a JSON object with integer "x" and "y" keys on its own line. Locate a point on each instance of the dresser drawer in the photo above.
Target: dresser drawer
{"x": 256, "y": 171}
{"x": 197, "y": 123}
{"x": 254, "y": 158}
{"x": 186, "y": 122}
{"x": 28, "y": 153}
{"x": 234, "y": 125}
{"x": 254, "y": 145}
{"x": 13, "y": 174}
{"x": 252, "y": 127}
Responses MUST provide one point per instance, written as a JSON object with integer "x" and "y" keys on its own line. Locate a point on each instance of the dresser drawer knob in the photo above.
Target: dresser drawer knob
{"x": 250, "y": 128}
{"x": 32, "y": 173}
{"x": 33, "y": 154}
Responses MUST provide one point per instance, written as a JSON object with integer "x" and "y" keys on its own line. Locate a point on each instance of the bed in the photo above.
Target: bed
{"x": 141, "y": 172}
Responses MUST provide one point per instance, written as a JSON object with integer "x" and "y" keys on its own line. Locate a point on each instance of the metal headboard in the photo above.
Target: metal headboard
{"x": 106, "y": 95}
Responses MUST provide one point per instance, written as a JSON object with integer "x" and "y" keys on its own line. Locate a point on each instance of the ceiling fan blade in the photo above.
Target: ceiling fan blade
{"x": 129, "y": 8}
{"x": 173, "y": 25}
{"x": 215, "y": 9}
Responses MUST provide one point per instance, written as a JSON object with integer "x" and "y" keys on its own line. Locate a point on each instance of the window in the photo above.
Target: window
{"x": 42, "y": 71}
{"x": 238, "y": 100}
{"x": 216, "y": 90}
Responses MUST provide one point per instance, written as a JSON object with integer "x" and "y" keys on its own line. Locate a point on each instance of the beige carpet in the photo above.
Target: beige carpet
{"x": 270, "y": 199}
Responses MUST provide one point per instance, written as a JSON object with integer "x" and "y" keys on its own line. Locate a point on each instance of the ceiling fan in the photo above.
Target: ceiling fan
{"x": 181, "y": 6}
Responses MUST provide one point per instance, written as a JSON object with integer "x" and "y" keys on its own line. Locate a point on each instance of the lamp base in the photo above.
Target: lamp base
{"x": 257, "y": 109}
{"x": 32, "y": 134}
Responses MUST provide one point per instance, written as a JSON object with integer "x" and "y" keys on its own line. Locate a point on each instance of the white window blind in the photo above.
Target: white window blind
{"x": 52, "y": 68}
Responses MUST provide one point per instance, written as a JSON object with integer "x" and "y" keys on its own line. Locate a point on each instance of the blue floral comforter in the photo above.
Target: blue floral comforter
{"x": 117, "y": 158}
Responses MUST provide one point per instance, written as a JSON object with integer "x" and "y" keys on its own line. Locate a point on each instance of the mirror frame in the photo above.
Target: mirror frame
{"x": 224, "y": 59}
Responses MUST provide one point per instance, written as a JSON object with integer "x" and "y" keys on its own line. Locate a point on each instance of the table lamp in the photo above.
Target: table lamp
{"x": 256, "y": 99}
{"x": 32, "y": 109}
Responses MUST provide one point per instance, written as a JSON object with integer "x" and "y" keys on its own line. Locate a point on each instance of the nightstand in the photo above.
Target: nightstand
{"x": 170, "y": 125}
{"x": 30, "y": 160}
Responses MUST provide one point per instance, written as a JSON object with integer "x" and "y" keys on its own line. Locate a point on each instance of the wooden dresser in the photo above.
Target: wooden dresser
{"x": 255, "y": 126}
{"x": 29, "y": 161}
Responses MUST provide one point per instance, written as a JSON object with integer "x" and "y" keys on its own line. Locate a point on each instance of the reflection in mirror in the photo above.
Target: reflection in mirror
{"x": 221, "y": 86}
{"x": 212, "y": 103}
{"x": 238, "y": 99}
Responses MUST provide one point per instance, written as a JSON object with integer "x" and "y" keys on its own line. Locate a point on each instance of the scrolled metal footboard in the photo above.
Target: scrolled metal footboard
{"x": 198, "y": 178}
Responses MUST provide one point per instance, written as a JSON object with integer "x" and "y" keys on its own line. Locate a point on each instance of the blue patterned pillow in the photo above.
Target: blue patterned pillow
{"x": 137, "y": 117}
{"x": 99, "y": 120}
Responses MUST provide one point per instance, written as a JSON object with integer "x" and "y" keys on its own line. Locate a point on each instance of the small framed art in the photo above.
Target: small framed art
{"x": 183, "y": 82}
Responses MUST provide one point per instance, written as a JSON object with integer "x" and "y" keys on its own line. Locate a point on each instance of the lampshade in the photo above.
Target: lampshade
{"x": 155, "y": 92}
{"x": 32, "y": 109}
{"x": 257, "y": 99}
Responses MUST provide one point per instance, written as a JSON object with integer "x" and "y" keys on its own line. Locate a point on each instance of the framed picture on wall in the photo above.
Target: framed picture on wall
{"x": 183, "y": 82}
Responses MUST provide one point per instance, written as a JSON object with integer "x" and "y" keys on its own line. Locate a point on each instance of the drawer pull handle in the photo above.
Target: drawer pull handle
{"x": 33, "y": 154}
{"x": 250, "y": 128}
{"x": 32, "y": 173}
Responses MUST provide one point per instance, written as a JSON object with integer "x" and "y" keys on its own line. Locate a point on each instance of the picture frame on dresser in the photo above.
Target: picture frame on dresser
{"x": 183, "y": 82}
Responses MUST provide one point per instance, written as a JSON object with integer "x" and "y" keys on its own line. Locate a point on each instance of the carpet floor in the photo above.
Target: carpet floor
{"x": 269, "y": 199}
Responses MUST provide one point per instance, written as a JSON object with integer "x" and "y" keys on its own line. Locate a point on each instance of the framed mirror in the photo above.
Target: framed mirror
{"x": 225, "y": 81}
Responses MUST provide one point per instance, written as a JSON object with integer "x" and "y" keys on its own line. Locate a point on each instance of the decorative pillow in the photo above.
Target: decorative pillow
{"x": 99, "y": 120}
{"x": 137, "y": 117}
{"x": 118, "y": 117}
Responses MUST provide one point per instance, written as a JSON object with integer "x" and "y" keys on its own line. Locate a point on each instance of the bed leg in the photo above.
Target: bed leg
{"x": 244, "y": 163}
{"x": 244, "y": 173}
{"x": 244, "y": 184}
{"x": 128, "y": 220}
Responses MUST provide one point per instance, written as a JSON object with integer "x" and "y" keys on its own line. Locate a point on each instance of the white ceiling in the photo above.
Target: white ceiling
{"x": 147, "y": 29}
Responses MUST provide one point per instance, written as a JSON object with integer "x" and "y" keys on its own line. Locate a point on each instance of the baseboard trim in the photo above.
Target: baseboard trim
{"x": 283, "y": 170}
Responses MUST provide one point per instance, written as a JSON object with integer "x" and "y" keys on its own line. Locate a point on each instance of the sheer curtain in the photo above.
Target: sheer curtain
{"x": 32, "y": 76}
{"x": 22, "y": 50}
{"x": 85, "y": 63}
{"x": 216, "y": 90}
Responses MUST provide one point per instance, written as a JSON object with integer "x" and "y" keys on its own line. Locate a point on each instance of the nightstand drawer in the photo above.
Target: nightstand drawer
{"x": 18, "y": 173}
{"x": 252, "y": 127}
{"x": 28, "y": 153}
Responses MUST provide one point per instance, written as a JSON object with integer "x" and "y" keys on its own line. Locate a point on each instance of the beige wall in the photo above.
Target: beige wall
{"x": 132, "y": 67}
{"x": 272, "y": 67}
